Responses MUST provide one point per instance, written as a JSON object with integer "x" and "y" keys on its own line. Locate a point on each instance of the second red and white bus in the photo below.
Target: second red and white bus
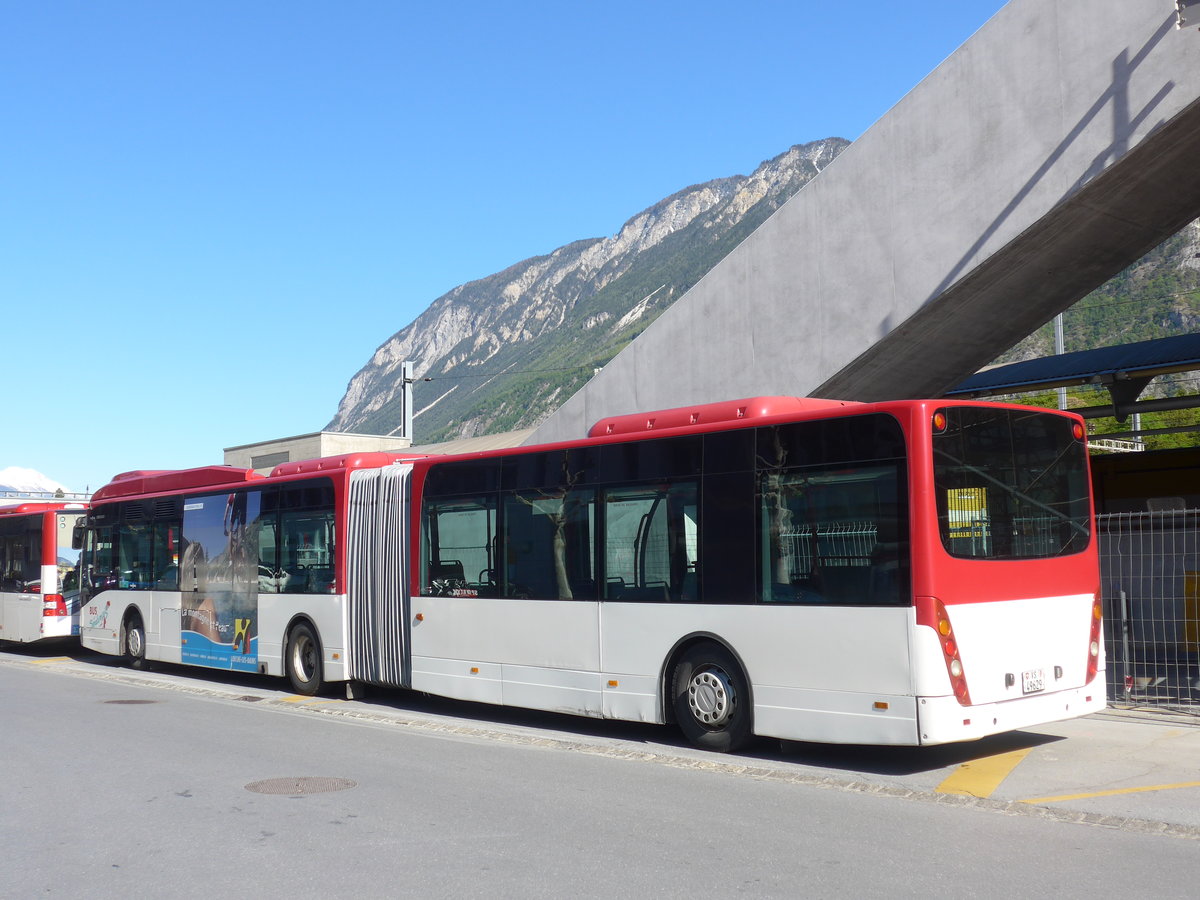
{"x": 39, "y": 593}
{"x": 911, "y": 572}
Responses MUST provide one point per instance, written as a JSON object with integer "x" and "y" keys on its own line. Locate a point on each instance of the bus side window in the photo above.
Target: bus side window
{"x": 834, "y": 534}
{"x": 459, "y": 540}
{"x": 548, "y": 544}
{"x": 650, "y": 542}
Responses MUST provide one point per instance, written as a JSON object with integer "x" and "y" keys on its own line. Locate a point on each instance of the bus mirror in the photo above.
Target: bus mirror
{"x": 77, "y": 537}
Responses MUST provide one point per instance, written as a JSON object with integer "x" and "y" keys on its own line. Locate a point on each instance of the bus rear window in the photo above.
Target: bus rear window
{"x": 1010, "y": 484}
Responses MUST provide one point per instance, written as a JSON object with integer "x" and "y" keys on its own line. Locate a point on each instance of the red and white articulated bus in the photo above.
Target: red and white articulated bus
{"x": 39, "y": 594}
{"x": 911, "y": 572}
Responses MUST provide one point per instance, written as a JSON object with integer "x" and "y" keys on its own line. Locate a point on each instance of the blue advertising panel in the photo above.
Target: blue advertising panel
{"x": 219, "y": 580}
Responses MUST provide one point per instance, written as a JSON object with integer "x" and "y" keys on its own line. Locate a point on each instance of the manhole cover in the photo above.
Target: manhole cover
{"x": 129, "y": 702}
{"x": 294, "y": 787}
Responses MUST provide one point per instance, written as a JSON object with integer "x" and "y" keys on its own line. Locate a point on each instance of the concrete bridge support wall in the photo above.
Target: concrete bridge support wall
{"x": 1055, "y": 147}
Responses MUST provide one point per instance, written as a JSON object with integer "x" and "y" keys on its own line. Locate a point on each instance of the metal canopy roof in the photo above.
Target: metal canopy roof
{"x": 1124, "y": 371}
{"x": 1128, "y": 363}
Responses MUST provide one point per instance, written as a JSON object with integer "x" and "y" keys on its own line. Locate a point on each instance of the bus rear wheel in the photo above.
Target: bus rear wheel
{"x": 711, "y": 699}
{"x": 303, "y": 660}
{"x": 133, "y": 645}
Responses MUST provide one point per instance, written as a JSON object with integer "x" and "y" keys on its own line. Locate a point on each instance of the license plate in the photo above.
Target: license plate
{"x": 1033, "y": 681}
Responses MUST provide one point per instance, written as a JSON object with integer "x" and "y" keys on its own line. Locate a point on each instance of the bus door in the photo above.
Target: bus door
{"x": 376, "y": 584}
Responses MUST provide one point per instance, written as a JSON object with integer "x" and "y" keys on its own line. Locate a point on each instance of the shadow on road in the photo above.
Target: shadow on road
{"x": 845, "y": 757}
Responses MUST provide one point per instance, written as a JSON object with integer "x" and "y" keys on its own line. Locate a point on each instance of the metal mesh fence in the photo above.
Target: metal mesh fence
{"x": 1150, "y": 579}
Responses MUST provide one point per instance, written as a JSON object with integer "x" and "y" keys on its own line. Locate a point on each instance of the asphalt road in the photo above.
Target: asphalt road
{"x": 176, "y": 783}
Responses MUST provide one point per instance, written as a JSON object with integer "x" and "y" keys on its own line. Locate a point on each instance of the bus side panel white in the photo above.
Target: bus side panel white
{"x": 930, "y": 676}
{"x": 100, "y": 621}
{"x": 549, "y": 634}
{"x": 631, "y": 697}
{"x": 327, "y": 612}
{"x": 556, "y": 690}
{"x": 839, "y": 648}
{"x": 835, "y": 717}
{"x": 459, "y": 679}
{"x": 793, "y": 655}
{"x": 163, "y": 642}
{"x": 22, "y": 617}
{"x": 550, "y": 646}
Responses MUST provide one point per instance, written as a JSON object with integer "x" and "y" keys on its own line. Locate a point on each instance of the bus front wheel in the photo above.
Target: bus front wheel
{"x": 134, "y": 643}
{"x": 304, "y": 659}
{"x": 711, "y": 699}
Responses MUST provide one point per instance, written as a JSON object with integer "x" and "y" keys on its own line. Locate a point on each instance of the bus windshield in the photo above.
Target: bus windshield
{"x": 1010, "y": 484}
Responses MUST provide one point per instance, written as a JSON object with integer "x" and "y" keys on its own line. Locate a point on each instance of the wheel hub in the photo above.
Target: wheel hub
{"x": 133, "y": 642}
{"x": 711, "y": 697}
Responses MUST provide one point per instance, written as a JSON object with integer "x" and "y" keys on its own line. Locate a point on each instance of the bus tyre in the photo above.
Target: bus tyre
{"x": 711, "y": 699}
{"x": 134, "y": 644}
{"x": 303, "y": 660}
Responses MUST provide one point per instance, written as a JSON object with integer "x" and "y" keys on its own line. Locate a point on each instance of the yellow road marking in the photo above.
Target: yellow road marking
{"x": 1113, "y": 793}
{"x": 304, "y": 698}
{"x": 980, "y": 777}
{"x": 53, "y": 659}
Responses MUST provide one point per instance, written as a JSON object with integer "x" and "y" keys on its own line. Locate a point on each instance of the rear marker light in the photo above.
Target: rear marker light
{"x": 1093, "y": 661}
{"x": 53, "y": 606}
{"x": 950, "y": 651}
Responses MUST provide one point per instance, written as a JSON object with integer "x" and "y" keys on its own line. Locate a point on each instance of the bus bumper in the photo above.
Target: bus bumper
{"x": 941, "y": 720}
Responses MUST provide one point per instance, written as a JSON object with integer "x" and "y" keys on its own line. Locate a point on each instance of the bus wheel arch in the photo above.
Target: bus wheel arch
{"x": 133, "y": 639}
{"x": 303, "y": 658}
{"x": 707, "y": 694}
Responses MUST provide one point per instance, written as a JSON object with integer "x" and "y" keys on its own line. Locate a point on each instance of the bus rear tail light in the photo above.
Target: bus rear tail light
{"x": 954, "y": 666}
{"x": 1093, "y": 662}
{"x": 53, "y": 605}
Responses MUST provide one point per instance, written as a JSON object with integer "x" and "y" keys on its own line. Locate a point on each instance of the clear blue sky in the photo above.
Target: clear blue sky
{"x": 213, "y": 213}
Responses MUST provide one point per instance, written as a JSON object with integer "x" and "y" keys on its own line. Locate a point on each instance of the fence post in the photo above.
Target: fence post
{"x": 1126, "y": 661}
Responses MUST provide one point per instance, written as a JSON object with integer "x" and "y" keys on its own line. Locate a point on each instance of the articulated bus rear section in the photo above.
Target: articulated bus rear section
{"x": 1007, "y": 599}
{"x": 39, "y": 590}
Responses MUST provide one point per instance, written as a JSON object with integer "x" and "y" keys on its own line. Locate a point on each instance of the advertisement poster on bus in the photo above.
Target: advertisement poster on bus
{"x": 219, "y": 581}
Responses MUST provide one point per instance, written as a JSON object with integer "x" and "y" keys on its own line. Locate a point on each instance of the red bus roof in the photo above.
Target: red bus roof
{"x": 703, "y": 415}
{"x": 128, "y": 484}
{"x": 37, "y": 506}
{"x": 137, "y": 483}
{"x": 345, "y": 462}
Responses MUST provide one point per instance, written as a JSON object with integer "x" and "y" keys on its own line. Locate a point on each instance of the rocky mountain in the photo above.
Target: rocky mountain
{"x": 502, "y": 352}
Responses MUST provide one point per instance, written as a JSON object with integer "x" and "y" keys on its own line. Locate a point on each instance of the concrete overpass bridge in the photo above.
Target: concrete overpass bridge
{"x": 1055, "y": 147}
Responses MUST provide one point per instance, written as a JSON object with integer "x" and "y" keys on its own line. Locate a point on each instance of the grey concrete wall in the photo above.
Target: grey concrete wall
{"x": 1056, "y": 146}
